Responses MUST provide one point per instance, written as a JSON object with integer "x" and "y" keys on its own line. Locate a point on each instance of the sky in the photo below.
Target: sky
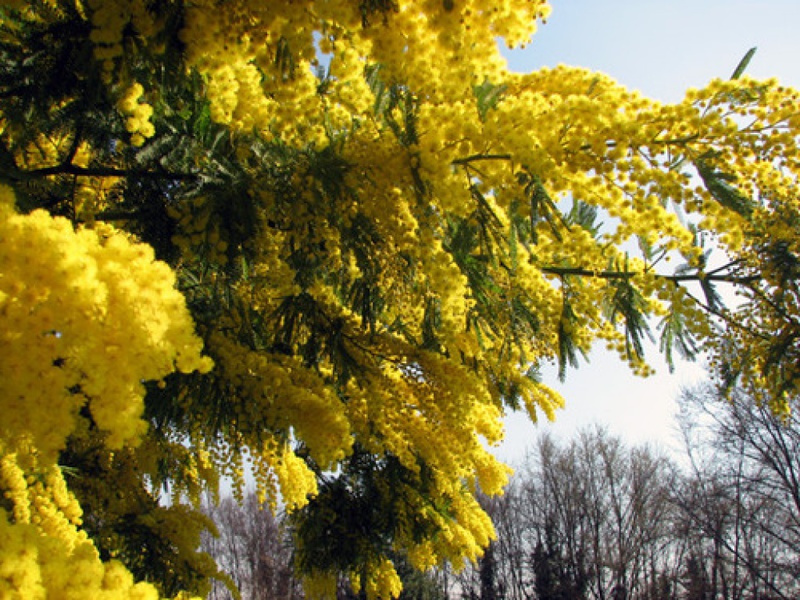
{"x": 662, "y": 48}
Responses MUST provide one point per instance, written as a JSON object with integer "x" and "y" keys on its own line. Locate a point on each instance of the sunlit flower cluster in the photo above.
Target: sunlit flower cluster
{"x": 86, "y": 318}
{"x": 257, "y": 60}
{"x": 43, "y": 552}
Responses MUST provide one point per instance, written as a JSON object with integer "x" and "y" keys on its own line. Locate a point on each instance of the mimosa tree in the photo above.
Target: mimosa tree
{"x": 330, "y": 243}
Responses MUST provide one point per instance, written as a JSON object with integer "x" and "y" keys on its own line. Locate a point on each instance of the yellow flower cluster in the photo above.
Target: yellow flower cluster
{"x": 275, "y": 393}
{"x": 198, "y": 235}
{"x": 36, "y": 567}
{"x": 280, "y": 391}
{"x": 137, "y": 114}
{"x": 382, "y": 582}
{"x": 43, "y": 553}
{"x": 280, "y": 473}
{"x": 257, "y": 59}
{"x": 84, "y": 319}
{"x": 110, "y": 19}
{"x": 56, "y": 287}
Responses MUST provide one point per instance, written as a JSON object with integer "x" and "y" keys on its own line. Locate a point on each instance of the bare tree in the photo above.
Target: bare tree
{"x": 254, "y": 548}
{"x": 587, "y": 519}
{"x": 741, "y": 502}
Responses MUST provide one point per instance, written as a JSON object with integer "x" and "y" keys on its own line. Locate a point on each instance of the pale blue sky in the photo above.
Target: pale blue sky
{"x": 662, "y": 48}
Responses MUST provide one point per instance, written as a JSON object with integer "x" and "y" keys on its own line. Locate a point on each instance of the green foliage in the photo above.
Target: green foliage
{"x": 743, "y": 64}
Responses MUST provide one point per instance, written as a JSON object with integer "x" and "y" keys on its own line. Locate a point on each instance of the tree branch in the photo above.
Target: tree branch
{"x": 698, "y": 277}
{"x": 71, "y": 169}
{"x": 476, "y": 157}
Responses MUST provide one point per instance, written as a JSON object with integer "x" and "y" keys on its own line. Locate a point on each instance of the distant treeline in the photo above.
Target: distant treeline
{"x": 593, "y": 518}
